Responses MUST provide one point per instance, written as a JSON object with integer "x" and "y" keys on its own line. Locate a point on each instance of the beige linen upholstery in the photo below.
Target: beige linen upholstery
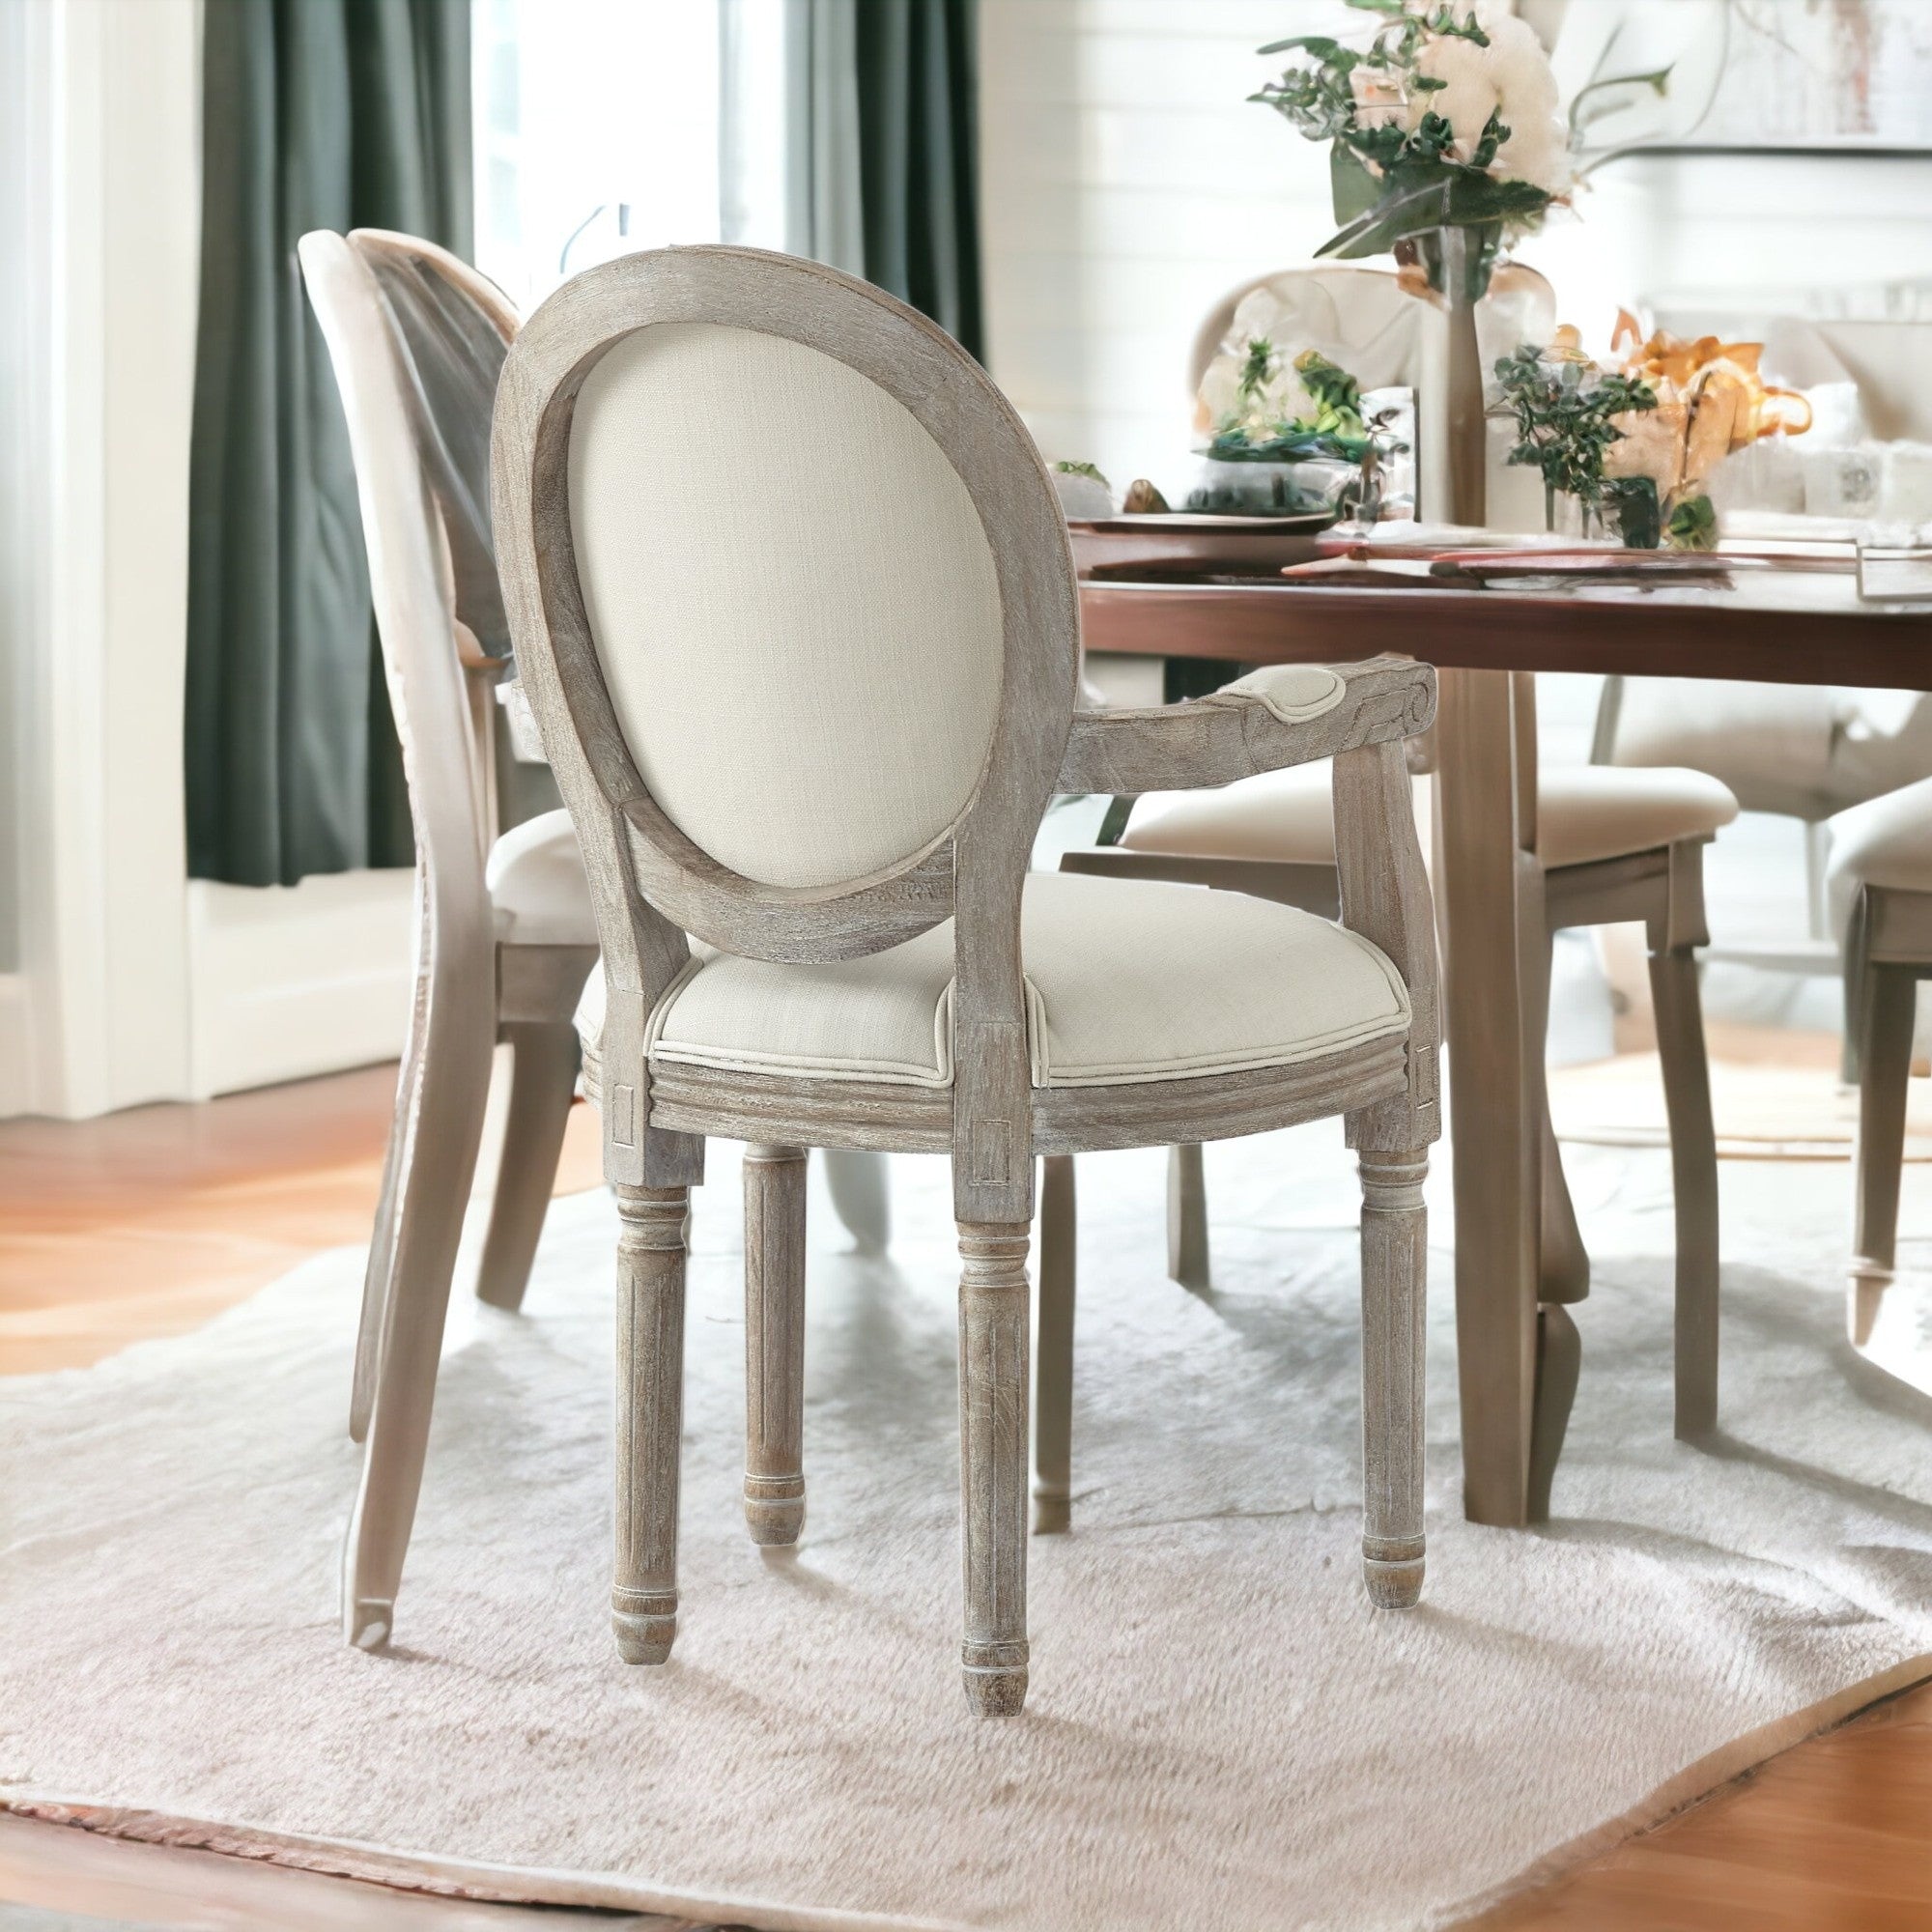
{"x": 1293, "y": 693}
{"x": 1103, "y": 958}
{"x": 538, "y": 894}
{"x": 1885, "y": 841}
{"x": 793, "y": 599}
{"x": 1583, "y": 812}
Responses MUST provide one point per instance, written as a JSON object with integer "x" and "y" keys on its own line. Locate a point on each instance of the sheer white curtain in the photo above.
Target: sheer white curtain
{"x": 606, "y": 125}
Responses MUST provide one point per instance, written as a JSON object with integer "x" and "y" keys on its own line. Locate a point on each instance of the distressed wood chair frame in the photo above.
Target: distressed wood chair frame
{"x": 652, "y": 886}
{"x": 1661, "y": 888}
{"x": 434, "y": 592}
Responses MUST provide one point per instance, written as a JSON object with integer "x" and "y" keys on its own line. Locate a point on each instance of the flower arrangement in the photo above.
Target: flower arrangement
{"x": 1448, "y": 118}
{"x": 1710, "y": 401}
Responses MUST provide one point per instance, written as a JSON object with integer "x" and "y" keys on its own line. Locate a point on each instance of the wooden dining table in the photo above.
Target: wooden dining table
{"x": 1788, "y": 622}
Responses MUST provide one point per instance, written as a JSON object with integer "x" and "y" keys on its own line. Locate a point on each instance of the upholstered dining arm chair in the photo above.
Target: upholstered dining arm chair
{"x": 1615, "y": 845}
{"x": 811, "y": 726}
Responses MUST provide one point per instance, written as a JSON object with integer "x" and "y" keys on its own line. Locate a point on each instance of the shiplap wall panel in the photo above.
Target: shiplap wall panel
{"x": 1126, "y": 184}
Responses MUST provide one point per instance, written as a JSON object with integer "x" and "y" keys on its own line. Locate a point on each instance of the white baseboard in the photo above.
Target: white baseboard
{"x": 289, "y": 981}
{"x": 15, "y": 1040}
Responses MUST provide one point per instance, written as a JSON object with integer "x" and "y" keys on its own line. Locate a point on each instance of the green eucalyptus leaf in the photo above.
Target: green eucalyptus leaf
{"x": 1380, "y": 228}
{"x": 1355, "y": 190}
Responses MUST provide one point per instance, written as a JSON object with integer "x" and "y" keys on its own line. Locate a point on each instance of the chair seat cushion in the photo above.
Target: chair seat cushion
{"x": 1585, "y": 813}
{"x": 1126, "y": 982}
{"x": 1885, "y": 841}
{"x": 537, "y": 887}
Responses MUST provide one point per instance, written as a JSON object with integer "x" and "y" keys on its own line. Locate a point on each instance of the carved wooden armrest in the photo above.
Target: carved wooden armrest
{"x": 1286, "y": 715}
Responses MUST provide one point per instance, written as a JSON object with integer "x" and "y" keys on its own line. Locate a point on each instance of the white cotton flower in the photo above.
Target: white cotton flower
{"x": 1512, "y": 77}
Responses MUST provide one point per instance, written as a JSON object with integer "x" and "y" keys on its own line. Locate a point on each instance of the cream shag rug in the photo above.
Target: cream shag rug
{"x": 1221, "y": 1734}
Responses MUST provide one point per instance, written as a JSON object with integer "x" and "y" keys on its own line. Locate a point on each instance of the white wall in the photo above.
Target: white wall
{"x": 1125, "y": 184}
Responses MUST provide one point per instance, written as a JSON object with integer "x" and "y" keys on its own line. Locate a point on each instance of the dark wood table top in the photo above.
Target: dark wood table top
{"x": 1777, "y": 625}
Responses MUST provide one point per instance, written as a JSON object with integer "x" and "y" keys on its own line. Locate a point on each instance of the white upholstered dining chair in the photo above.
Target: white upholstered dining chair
{"x": 811, "y": 726}
{"x": 1615, "y": 845}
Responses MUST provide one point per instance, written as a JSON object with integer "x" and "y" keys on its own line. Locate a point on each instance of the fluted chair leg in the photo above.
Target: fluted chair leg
{"x": 993, "y": 1322}
{"x": 1395, "y": 1253}
{"x": 775, "y": 1212}
{"x": 1053, "y": 1420}
{"x": 650, "y": 1416}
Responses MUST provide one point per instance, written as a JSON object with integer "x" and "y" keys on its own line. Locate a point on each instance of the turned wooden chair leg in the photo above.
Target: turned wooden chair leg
{"x": 433, "y": 1177}
{"x": 993, "y": 1322}
{"x": 1186, "y": 1217}
{"x": 1395, "y": 1272}
{"x": 1693, "y": 1179}
{"x": 1888, "y": 1004}
{"x": 775, "y": 1343}
{"x": 1052, "y": 1401}
{"x": 543, "y": 1080}
{"x": 383, "y": 1236}
{"x": 650, "y": 1416}
{"x": 861, "y": 1187}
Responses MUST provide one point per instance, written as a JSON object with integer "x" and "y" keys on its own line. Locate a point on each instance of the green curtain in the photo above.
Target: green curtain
{"x": 918, "y": 173}
{"x": 316, "y": 114}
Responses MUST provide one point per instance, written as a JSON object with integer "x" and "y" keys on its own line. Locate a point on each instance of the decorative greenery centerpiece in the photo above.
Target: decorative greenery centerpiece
{"x": 1309, "y": 408}
{"x": 1448, "y": 118}
{"x": 1569, "y": 414}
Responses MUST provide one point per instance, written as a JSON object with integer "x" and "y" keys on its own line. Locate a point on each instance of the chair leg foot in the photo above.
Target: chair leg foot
{"x": 367, "y": 1624}
{"x": 1392, "y": 1570}
{"x": 995, "y": 1677}
{"x": 644, "y": 1624}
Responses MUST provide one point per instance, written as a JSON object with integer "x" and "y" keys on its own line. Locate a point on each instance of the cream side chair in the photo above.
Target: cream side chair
{"x": 813, "y": 727}
{"x": 1615, "y": 844}
{"x": 1882, "y": 869}
{"x": 506, "y": 931}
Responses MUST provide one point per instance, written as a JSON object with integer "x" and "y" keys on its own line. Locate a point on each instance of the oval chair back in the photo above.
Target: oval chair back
{"x": 796, "y": 609}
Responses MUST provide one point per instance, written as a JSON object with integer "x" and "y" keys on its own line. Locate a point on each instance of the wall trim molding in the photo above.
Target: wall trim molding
{"x": 286, "y": 981}
{"x": 16, "y": 1042}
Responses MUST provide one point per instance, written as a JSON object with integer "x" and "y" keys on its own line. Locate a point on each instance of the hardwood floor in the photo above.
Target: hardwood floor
{"x": 146, "y": 1223}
